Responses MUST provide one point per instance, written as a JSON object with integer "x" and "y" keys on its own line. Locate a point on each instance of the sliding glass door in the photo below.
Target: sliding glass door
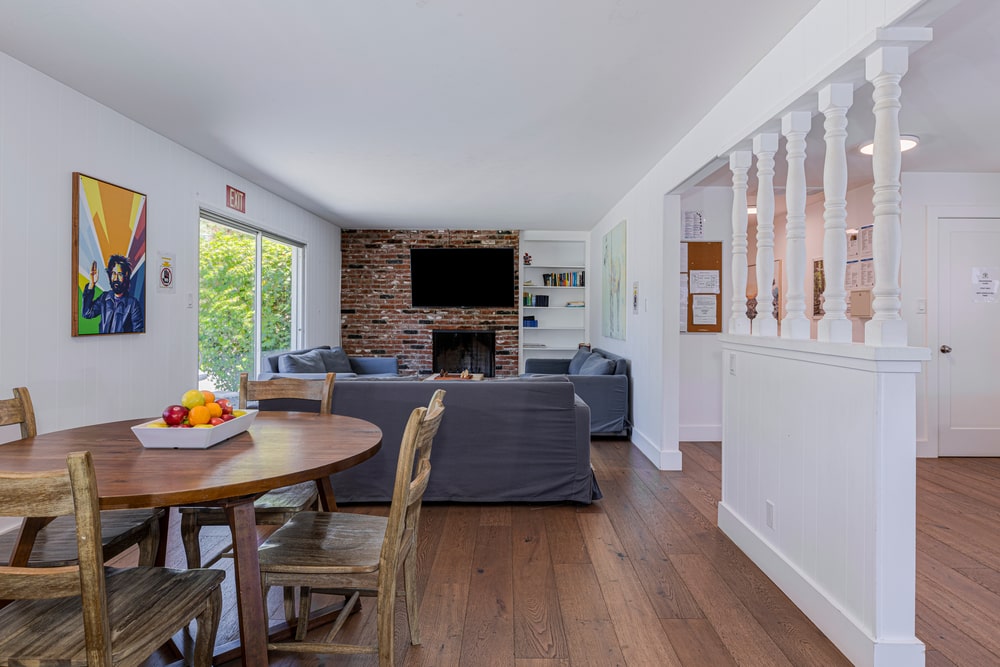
{"x": 249, "y": 300}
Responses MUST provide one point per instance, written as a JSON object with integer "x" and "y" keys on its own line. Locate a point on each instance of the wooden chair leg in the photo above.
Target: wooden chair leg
{"x": 386, "y": 603}
{"x": 191, "y": 536}
{"x": 289, "y": 604}
{"x": 410, "y": 591}
{"x": 305, "y": 605}
{"x": 208, "y": 626}
{"x": 149, "y": 546}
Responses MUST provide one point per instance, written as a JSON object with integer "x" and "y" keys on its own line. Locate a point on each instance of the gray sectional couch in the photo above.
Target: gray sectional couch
{"x": 601, "y": 379}
{"x": 316, "y": 362}
{"x": 501, "y": 440}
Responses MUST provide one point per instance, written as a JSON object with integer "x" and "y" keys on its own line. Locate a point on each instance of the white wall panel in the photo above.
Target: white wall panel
{"x": 824, "y": 433}
{"x": 48, "y": 131}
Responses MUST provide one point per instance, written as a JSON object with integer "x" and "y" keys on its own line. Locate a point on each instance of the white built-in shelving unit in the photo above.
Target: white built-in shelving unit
{"x": 562, "y": 324}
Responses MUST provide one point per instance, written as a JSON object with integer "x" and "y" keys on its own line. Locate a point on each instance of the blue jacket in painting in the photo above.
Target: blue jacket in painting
{"x": 118, "y": 315}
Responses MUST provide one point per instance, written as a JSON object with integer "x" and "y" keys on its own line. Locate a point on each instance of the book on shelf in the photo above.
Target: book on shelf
{"x": 575, "y": 304}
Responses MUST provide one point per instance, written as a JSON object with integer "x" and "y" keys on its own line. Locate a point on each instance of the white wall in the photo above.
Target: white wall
{"x": 700, "y": 361}
{"x": 48, "y": 131}
{"x": 647, "y": 243}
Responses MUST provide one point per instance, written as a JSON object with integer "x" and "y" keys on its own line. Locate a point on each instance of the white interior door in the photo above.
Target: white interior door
{"x": 969, "y": 346}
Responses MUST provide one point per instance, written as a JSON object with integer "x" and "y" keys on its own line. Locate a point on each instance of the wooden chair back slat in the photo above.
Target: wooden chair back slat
{"x": 313, "y": 390}
{"x": 19, "y": 410}
{"x": 152, "y": 604}
{"x": 408, "y": 491}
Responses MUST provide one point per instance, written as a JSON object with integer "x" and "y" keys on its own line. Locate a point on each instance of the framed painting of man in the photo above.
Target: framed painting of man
{"x": 109, "y": 258}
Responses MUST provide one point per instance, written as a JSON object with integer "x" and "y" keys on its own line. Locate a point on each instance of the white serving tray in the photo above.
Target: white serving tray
{"x": 158, "y": 437}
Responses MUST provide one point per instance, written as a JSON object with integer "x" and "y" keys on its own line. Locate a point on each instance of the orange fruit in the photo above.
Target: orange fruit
{"x": 214, "y": 409}
{"x": 209, "y": 396}
{"x": 199, "y": 414}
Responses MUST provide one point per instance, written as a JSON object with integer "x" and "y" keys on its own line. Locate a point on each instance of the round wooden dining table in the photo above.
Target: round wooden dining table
{"x": 279, "y": 449}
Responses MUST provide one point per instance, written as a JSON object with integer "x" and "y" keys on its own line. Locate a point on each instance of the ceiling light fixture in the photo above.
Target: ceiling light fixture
{"x": 906, "y": 142}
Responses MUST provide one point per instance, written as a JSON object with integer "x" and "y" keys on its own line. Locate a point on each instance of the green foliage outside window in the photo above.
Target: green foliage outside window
{"x": 226, "y": 296}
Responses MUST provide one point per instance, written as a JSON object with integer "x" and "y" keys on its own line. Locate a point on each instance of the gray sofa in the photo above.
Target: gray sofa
{"x": 315, "y": 362}
{"x": 501, "y": 440}
{"x": 601, "y": 379}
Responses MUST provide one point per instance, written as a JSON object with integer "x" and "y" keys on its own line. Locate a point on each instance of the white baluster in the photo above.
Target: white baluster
{"x": 884, "y": 68}
{"x": 765, "y": 145}
{"x": 739, "y": 164}
{"x": 795, "y": 126}
{"x": 834, "y": 101}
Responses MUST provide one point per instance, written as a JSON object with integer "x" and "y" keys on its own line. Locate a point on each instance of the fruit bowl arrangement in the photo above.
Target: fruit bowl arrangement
{"x": 198, "y": 422}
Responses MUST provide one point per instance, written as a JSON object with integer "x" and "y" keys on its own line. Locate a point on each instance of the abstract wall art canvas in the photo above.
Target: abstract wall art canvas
{"x": 109, "y": 258}
{"x": 613, "y": 283}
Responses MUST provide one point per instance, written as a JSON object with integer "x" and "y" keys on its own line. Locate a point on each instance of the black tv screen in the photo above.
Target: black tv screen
{"x": 462, "y": 277}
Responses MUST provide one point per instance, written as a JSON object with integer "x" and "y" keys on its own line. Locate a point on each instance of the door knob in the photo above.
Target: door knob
{"x": 945, "y": 349}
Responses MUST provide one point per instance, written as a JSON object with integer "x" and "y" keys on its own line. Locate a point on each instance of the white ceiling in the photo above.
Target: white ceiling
{"x": 950, "y": 99}
{"x": 524, "y": 114}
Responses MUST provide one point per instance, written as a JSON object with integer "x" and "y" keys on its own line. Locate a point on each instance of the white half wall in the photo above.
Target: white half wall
{"x": 819, "y": 484}
{"x": 48, "y": 131}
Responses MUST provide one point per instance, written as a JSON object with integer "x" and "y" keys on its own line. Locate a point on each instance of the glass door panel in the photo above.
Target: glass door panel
{"x": 248, "y": 303}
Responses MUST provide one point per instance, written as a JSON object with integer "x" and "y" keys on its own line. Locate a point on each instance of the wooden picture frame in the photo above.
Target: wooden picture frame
{"x": 109, "y": 258}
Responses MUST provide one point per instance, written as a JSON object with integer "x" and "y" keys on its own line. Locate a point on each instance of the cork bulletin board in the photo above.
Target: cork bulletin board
{"x": 704, "y": 286}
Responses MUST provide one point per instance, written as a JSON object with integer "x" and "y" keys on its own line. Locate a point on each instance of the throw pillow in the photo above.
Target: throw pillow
{"x": 577, "y": 361}
{"x": 336, "y": 360}
{"x": 597, "y": 365}
{"x": 310, "y": 362}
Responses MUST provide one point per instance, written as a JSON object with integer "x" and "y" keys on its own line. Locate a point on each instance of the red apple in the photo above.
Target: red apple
{"x": 227, "y": 407}
{"x": 215, "y": 421}
{"x": 226, "y": 416}
{"x": 174, "y": 415}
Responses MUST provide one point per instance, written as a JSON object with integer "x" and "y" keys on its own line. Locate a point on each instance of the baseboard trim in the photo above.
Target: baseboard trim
{"x": 852, "y": 640}
{"x": 669, "y": 459}
{"x": 927, "y": 449}
{"x": 700, "y": 432}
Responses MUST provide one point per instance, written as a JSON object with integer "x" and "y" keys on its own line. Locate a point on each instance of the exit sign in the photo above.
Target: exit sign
{"x": 236, "y": 199}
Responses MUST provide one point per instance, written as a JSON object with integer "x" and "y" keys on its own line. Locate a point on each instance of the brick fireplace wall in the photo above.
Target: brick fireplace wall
{"x": 376, "y": 317}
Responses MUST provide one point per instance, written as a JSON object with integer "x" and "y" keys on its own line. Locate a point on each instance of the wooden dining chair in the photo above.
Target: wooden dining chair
{"x": 359, "y": 554}
{"x": 278, "y": 505}
{"x": 55, "y": 543}
{"x": 83, "y": 614}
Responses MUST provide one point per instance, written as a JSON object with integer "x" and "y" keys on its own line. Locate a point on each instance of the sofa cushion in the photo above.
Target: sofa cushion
{"x": 597, "y": 365}
{"x": 308, "y": 362}
{"x": 577, "y": 361}
{"x": 336, "y": 361}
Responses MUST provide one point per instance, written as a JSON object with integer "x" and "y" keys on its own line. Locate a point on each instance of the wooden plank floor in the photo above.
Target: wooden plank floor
{"x": 644, "y": 577}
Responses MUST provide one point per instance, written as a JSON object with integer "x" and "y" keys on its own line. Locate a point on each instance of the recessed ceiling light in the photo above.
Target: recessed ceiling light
{"x": 906, "y": 142}
{"x": 751, "y": 210}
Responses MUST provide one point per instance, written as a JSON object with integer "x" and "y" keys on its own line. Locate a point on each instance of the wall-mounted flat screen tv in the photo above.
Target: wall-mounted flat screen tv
{"x": 462, "y": 277}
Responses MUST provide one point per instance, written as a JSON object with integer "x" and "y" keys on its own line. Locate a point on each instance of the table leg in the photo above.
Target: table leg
{"x": 249, "y": 596}
{"x": 26, "y": 540}
{"x": 327, "y": 499}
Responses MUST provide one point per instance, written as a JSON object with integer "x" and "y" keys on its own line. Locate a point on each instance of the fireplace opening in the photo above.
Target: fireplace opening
{"x": 456, "y": 350}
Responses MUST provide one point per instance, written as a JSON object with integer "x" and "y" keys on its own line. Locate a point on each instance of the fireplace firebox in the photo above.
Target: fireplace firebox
{"x": 456, "y": 350}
